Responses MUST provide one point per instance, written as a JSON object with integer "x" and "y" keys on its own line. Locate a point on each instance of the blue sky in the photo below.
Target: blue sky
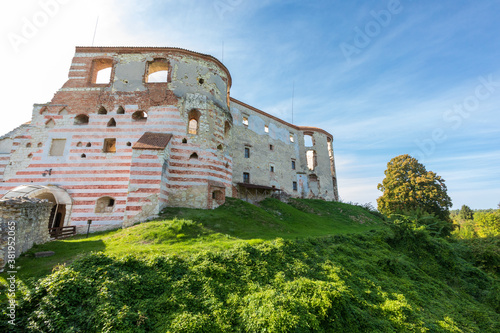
{"x": 384, "y": 77}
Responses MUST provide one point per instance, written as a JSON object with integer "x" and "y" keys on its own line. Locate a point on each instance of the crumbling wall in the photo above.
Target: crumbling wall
{"x": 23, "y": 223}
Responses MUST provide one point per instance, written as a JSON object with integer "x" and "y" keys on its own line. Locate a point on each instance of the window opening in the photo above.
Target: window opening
{"x": 271, "y": 147}
{"x": 184, "y": 140}
{"x": 57, "y": 147}
{"x": 308, "y": 140}
{"x": 139, "y": 116}
{"x": 79, "y": 144}
{"x": 120, "y": 110}
{"x": 194, "y": 119}
{"x": 271, "y": 168}
{"x": 50, "y": 123}
{"x": 102, "y": 110}
{"x": 88, "y": 145}
{"x": 292, "y": 138}
{"x": 81, "y": 119}
{"x": 83, "y": 156}
{"x": 102, "y": 71}
{"x": 245, "y": 121}
{"x": 28, "y": 145}
{"x": 105, "y": 205}
{"x": 193, "y": 156}
{"x": 247, "y": 152}
{"x": 266, "y": 129}
{"x": 246, "y": 177}
{"x": 227, "y": 128}
{"x": 294, "y": 186}
{"x": 157, "y": 71}
{"x": 293, "y": 165}
{"x": 109, "y": 145}
{"x": 112, "y": 122}
{"x": 312, "y": 161}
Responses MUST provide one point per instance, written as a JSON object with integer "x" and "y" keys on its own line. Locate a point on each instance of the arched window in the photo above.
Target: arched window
{"x": 120, "y": 110}
{"x": 139, "y": 116}
{"x": 308, "y": 139}
{"x": 194, "y": 121}
{"x": 193, "y": 156}
{"x": 227, "y": 128}
{"x": 105, "y": 205}
{"x": 157, "y": 71}
{"x": 112, "y": 122}
{"x": 81, "y": 119}
{"x": 102, "y": 110}
{"x": 50, "y": 123}
{"x": 101, "y": 71}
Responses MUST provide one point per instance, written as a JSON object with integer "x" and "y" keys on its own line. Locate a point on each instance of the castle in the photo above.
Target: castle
{"x": 136, "y": 129}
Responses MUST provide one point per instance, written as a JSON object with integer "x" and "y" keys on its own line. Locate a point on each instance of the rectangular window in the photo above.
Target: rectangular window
{"x": 245, "y": 121}
{"x": 293, "y": 165}
{"x": 292, "y": 138}
{"x": 247, "y": 152}
{"x": 271, "y": 168}
{"x": 271, "y": 147}
{"x": 246, "y": 177}
{"x": 57, "y": 147}
{"x": 109, "y": 145}
{"x": 266, "y": 129}
{"x": 294, "y": 186}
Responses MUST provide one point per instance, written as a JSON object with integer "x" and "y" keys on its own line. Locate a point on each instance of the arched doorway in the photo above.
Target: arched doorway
{"x": 61, "y": 200}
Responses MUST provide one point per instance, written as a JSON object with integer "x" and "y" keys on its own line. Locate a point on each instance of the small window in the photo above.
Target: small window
{"x": 81, "y": 119}
{"x": 102, "y": 110}
{"x": 120, "y": 110}
{"x": 247, "y": 152}
{"x": 220, "y": 147}
{"x": 184, "y": 140}
{"x": 193, "y": 156}
{"x": 139, "y": 116}
{"x": 292, "y": 138}
{"x": 39, "y": 144}
{"x": 28, "y": 145}
{"x": 88, "y": 145}
{"x": 79, "y": 144}
{"x": 109, "y": 145}
{"x": 312, "y": 159}
{"x": 266, "y": 129}
{"x": 83, "y": 156}
{"x": 105, "y": 205}
{"x": 294, "y": 186}
{"x": 271, "y": 147}
{"x": 227, "y": 128}
{"x": 271, "y": 168}
{"x": 30, "y": 155}
{"x": 245, "y": 121}
{"x": 194, "y": 121}
{"x": 246, "y": 177}
{"x": 308, "y": 140}
{"x": 157, "y": 71}
{"x": 101, "y": 71}
{"x": 57, "y": 147}
{"x": 129, "y": 144}
{"x": 111, "y": 123}
{"x": 293, "y": 164}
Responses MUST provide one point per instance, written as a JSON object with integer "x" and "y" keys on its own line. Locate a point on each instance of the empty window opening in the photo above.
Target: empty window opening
{"x": 271, "y": 168}
{"x": 193, "y": 156}
{"x": 129, "y": 144}
{"x": 266, "y": 129}
{"x": 63, "y": 112}
{"x": 57, "y": 147}
{"x": 201, "y": 81}
{"x": 219, "y": 147}
{"x": 308, "y": 140}
{"x": 271, "y": 147}
{"x": 293, "y": 164}
{"x": 194, "y": 119}
{"x": 312, "y": 159}
{"x": 102, "y": 110}
{"x": 227, "y": 128}
{"x": 247, "y": 152}
{"x": 83, "y": 156}
{"x": 50, "y": 123}
{"x": 227, "y": 165}
{"x": 109, "y": 145}
{"x": 101, "y": 73}
{"x": 88, "y": 145}
{"x": 120, "y": 110}
{"x": 184, "y": 140}
{"x": 245, "y": 121}
{"x": 111, "y": 123}
{"x": 79, "y": 144}
{"x": 157, "y": 71}
{"x": 246, "y": 177}
{"x": 330, "y": 147}
{"x": 292, "y": 138}
{"x": 81, "y": 119}
{"x": 294, "y": 186}
{"x": 28, "y": 145}
{"x": 105, "y": 205}
{"x": 139, "y": 116}
{"x": 30, "y": 155}
{"x": 39, "y": 144}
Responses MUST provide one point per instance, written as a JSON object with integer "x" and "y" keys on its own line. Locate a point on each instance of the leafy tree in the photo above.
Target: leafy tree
{"x": 487, "y": 223}
{"x": 409, "y": 187}
{"x": 466, "y": 213}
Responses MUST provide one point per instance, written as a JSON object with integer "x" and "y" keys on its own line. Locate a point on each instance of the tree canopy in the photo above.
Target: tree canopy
{"x": 466, "y": 213}
{"x": 409, "y": 187}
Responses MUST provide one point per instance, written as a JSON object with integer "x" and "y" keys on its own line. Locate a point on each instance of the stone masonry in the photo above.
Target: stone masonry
{"x": 137, "y": 129}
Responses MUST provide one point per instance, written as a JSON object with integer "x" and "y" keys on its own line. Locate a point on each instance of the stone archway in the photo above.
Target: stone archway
{"x": 61, "y": 200}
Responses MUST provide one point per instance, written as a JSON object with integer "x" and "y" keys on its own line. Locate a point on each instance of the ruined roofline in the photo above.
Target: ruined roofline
{"x": 298, "y": 128}
{"x": 141, "y": 49}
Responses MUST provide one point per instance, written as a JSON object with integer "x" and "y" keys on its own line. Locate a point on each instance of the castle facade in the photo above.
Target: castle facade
{"x": 137, "y": 129}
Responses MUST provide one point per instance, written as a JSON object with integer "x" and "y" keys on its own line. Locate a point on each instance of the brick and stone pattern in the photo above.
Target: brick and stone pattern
{"x": 23, "y": 223}
{"x": 84, "y": 140}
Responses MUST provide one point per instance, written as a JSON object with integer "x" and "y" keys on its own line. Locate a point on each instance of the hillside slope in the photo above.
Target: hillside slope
{"x": 379, "y": 280}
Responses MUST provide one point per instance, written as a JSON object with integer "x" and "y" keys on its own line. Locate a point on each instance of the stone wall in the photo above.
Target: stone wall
{"x": 23, "y": 223}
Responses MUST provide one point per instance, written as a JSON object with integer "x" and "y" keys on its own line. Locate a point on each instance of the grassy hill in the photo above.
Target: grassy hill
{"x": 306, "y": 266}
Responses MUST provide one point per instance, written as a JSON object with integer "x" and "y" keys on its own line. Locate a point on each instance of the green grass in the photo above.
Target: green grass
{"x": 305, "y": 266}
{"x": 182, "y": 230}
